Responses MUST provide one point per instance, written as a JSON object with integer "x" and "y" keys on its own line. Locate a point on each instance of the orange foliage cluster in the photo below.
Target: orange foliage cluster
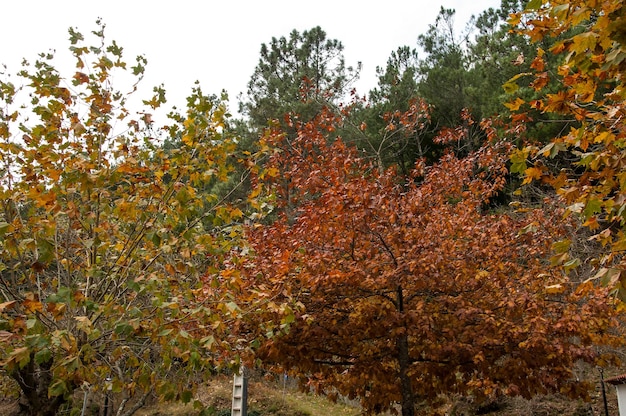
{"x": 406, "y": 288}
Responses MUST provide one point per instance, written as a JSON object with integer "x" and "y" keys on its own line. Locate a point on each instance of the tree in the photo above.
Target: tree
{"x": 467, "y": 72}
{"x": 496, "y": 54}
{"x": 444, "y": 71}
{"x": 108, "y": 239}
{"x": 296, "y": 74}
{"x": 407, "y": 288}
{"x": 397, "y": 82}
{"x": 590, "y": 98}
{"x": 388, "y": 142}
{"x": 450, "y": 80}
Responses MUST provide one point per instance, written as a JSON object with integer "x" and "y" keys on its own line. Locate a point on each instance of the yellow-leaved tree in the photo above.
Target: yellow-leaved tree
{"x": 589, "y": 101}
{"x": 109, "y": 239}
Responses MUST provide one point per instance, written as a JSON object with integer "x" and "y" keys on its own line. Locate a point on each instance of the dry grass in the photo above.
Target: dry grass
{"x": 264, "y": 398}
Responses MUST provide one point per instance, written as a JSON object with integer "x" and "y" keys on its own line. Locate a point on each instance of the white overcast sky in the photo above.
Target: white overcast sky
{"x": 218, "y": 42}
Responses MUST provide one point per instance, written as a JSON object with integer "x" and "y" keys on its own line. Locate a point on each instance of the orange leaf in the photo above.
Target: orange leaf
{"x": 32, "y": 306}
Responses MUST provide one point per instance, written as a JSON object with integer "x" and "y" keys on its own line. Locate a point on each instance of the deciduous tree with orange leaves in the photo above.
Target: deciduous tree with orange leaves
{"x": 409, "y": 288}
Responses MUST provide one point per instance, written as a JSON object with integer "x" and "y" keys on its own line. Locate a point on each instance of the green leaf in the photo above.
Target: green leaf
{"x": 46, "y": 251}
{"x": 75, "y": 36}
{"x": 153, "y": 236}
{"x": 57, "y": 388}
{"x": 207, "y": 342}
{"x": 194, "y": 359}
{"x": 518, "y": 161}
{"x": 232, "y": 306}
{"x": 534, "y": 5}
{"x": 608, "y": 276}
{"x": 123, "y": 328}
{"x": 186, "y": 396}
{"x": 37, "y": 341}
{"x": 571, "y": 264}
{"x": 43, "y": 356}
{"x": 562, "y": 246}
{"x": 530, "y": 228}
{"x": 115, "y": 49}
{"x": 133, "y": 285}
{"x": 63, "y": 295}
{"x": 4, "y": 227}
{"x": 71, "y": 363}
{"x": 593, "y": 206}
{"x": 165, "y": 332}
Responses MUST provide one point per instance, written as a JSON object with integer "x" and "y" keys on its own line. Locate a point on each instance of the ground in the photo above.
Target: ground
{"x": 276, "y": 398}
{"x": 265, "y": 397}
{"x": 273, "y": 398}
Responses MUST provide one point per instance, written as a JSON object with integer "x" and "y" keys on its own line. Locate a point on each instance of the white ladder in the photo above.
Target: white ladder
{"x": 240, "y": 394}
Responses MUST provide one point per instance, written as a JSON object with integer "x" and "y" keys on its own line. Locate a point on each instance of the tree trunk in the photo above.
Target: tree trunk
{"x": 406, "y": 386}
{"x": 34, "y": 381}
{"x": 404, "y": 363}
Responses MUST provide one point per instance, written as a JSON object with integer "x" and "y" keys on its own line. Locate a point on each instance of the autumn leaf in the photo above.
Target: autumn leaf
{"x": 7, "y": 305}
{"x": 515, "y": 105}
{"x": 32, "y": 306}
{"x": 555, "y": 289}
{"x": 371, "y": 269}
{"x": 84, "y": 324}
{"x": 80, "y": 78}
{"x": 532, "y": 174}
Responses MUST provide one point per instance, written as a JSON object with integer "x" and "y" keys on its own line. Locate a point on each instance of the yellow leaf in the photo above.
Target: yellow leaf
{"x": 532, "y": 174}
{"x": 515, "y": 105}
{"x": 187, "y": 139}
{"x": 584, "y": 42}
{"x": 511, "y": 85}
{"x": 19, "y": 356}
{"x": 255, "y": 192}
{"x": 84, "y": 324}
{"x": 66, "y": 340}
{"x": 55, "y": 174}
{"x": 56, "y": 309}
{"x": 236, "y": 213}
{"x": 605, "y": 137}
